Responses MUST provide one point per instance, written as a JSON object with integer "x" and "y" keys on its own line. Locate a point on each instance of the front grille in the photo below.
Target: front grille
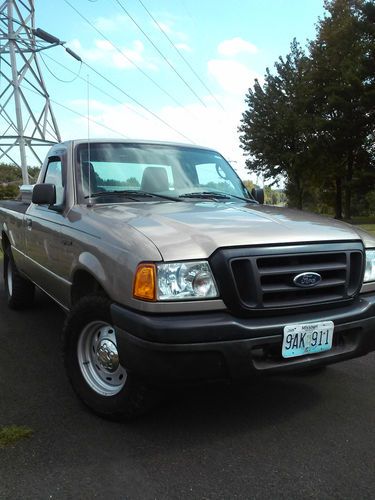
{"x": 262, "y": 278}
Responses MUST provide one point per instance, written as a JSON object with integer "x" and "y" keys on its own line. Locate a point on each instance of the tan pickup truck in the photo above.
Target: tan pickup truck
{"x": 171, "y": 272}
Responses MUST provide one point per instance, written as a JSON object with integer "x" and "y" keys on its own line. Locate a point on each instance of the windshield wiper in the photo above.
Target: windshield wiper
{"x": 215, "y": 194}
{"x": 205, "y": 194}
{"x": 130, "y": 193}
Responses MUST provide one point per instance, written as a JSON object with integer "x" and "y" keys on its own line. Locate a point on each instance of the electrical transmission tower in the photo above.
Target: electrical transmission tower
{"x": 26, "y": 116}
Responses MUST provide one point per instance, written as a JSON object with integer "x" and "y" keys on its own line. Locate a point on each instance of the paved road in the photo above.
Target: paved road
{"x": 288, "y": 437}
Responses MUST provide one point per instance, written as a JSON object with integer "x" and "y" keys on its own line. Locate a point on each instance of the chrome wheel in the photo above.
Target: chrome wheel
{"x": 98, "y": 359}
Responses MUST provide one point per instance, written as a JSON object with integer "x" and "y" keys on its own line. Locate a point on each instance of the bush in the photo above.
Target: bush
{"x": 9, "y": 192}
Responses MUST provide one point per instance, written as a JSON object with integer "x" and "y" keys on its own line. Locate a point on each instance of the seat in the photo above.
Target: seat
{"x": 154, "y": 179}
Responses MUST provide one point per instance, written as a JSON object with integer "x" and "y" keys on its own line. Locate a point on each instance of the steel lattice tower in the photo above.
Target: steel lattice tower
{"x": 26, "y": 116}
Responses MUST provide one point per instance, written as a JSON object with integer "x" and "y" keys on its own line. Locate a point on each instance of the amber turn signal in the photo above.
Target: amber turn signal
{"x": 144, "y": 282}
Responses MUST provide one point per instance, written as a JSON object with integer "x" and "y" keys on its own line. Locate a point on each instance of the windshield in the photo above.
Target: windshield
{"x": 171, "y": 171}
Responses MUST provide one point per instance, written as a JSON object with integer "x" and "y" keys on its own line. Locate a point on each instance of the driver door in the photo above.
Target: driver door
{"x": 43, "y": 241}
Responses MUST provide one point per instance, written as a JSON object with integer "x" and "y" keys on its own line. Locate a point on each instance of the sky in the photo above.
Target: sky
{"x": 156, "y": 94}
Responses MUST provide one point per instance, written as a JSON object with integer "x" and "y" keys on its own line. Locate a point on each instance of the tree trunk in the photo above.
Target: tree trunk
{"x": 300, "y": 199}
{"x": 299, "y": 193}
{"x": 348, "y": 187}
{"x": 338, "y": 200}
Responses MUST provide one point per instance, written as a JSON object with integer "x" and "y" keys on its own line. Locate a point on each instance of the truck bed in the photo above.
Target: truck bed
{"x": 15, "y": 205}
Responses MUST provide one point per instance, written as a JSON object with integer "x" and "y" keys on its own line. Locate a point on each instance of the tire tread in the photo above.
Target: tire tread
{"x": 134, "y": 399}
{"x": 23, "y": 290}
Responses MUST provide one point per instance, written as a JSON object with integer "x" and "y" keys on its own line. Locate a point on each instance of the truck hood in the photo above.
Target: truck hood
{"x": 194, "y": 230}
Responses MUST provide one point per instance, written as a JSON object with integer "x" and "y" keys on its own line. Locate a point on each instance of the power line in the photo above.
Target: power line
{"x": 129, "y": 97}
{"x": 76, "y": 75}
{"x": 124, "y": 55}
{"x": 181, "y": 55}
{"x": 97, "y": 87}
{"x": 140, "y": 104}
{"x": 77, "y": 113}
{"x": 161, "y": 54}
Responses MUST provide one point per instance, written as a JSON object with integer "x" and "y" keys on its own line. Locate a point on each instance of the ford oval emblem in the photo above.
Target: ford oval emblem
{"x": 307, "y": 280}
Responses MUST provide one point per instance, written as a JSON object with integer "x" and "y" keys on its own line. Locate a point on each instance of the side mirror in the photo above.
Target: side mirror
{"x": 44, "y": 194}
{"x": 258, "y": 195}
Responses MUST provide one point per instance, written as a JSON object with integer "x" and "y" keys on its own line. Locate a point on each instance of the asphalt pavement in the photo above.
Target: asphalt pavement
{"x": 310, "y": 436}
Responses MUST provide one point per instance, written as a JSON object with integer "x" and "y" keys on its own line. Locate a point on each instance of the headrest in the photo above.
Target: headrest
{"x": 155, "y": 179}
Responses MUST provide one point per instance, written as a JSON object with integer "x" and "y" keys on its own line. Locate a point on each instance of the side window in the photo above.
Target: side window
{"x": 54, "y": 175}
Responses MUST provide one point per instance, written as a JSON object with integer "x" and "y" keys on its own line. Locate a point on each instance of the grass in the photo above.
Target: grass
{"x": 358, "y": 220}
{"x": 10, "y": 434}
{"x": 368, "y": 227}
{"x": 366, "y": 223}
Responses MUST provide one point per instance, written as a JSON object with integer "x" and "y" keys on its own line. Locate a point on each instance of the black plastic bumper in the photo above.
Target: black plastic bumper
{"x": 217, "y": 345}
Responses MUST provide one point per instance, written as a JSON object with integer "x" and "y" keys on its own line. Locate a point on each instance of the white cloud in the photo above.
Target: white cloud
{"x": 234, "y": 77}
{"x": 134, "y": 54}
{"x": 105, "y": 53}
{"x": 167, "y": 27}
{"x": 183, "y": 46}
{"x": 236, "y": 46}
{"x": 104, "y": 45}
{"x": 110, "y": 24}
{"x": 94, "y": 105}
{"x": 207, "y": 126}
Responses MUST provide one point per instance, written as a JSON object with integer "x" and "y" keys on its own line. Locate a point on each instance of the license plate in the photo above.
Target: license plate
{"x": 307, "y": 338}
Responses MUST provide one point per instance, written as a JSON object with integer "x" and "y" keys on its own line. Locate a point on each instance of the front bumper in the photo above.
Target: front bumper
{"x": 217, "y": 345}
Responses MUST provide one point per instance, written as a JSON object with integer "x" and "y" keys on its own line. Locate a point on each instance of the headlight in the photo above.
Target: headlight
{"x": 370, "y": 266}
{"x": 185, "y": 280}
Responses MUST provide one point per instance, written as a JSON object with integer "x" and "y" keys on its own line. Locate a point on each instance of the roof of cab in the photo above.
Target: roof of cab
{"x": 76, "y": 142}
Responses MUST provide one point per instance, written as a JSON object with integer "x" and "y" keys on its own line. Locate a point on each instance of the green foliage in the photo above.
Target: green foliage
{"x": 12, "y": 433}
{"x": 345, "y": 98}
{"x": 9, "y": 191}
{"x": 33, "y": 174}
{"x": 249, "y": 185}
{"x": 277, "y": 126}
{"x": 271, "y": 196}
{"x": 9, "y": 173}
{"x": 274, "y": 196}
{"x": 132, "y": 181}
{"x": 223, "y": 186}
{"x": 370, "y": 228}
{"x": 312, "y": 122}
{"x": 12, "y": 173}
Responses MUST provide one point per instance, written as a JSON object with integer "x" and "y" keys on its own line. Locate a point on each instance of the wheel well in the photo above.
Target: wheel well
{"x": 84, "y": 284}
{"x": 5, "y": 243}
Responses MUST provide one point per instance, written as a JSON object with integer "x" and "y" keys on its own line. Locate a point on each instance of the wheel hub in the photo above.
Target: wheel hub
{"x": 107, "y": 355}
{"x": 99, "y": 359}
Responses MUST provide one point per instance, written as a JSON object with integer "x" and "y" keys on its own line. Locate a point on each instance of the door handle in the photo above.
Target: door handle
{"x": 29, "y": 223}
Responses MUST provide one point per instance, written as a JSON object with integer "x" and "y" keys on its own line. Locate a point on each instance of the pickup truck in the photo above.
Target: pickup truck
{"x": 171, "y": 272}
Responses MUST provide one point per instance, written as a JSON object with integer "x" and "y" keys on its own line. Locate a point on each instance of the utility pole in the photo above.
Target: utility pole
{"x": 27, "y": 120}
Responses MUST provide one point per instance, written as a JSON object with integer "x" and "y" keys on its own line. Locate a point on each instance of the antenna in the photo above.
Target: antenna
{"x": 88, "y": 137}
{"x": 25, "y": 124}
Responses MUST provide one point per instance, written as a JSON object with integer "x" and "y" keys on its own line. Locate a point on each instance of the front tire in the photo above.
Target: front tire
{"x": 19, "y": 291}
{"x": 93, "y": 364}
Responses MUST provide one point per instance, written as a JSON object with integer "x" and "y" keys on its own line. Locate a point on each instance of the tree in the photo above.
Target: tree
{"x": 276, "y": 126}
{"x": 132, "y": 181}
{"x": 344, "y": 100}
{"x": 12, "y": 173}
{"x": 312, "y": 122}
